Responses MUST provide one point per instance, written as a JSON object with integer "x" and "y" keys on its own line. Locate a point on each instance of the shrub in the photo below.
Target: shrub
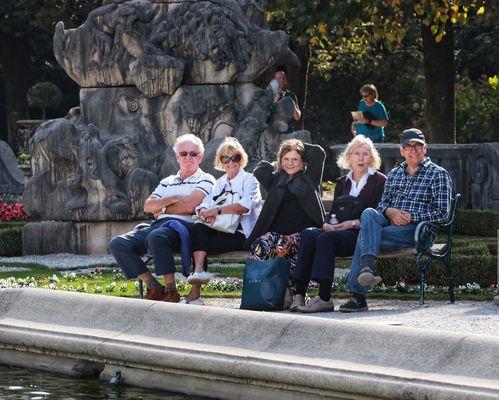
{"x": 11, "y": 241}
{"x": 44, "y": 95}
{"x": 476, "y": 222}
{"x": 481, "y": 269}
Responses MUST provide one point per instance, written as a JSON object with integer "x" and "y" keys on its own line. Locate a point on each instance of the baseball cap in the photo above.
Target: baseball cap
{"x": 412, "y": 135}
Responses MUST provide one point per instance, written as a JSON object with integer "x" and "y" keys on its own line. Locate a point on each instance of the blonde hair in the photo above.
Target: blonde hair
{"x": 188, "y": 137}
{"x": 369, "y": 88}
{"x": 230, "y": 145}
{"x": 359, "y": 140}
{"x": 290, "y": 145}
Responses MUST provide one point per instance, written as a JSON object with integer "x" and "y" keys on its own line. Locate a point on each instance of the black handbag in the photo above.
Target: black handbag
{"x": 264, "y": 284}
{"x": 347, "y": 207}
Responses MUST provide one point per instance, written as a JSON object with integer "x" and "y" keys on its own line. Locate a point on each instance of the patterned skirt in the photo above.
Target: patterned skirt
{"x": 272, "y": 245}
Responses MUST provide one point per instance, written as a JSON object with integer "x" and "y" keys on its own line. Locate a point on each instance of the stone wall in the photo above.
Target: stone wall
{"x": 474, "y": 169}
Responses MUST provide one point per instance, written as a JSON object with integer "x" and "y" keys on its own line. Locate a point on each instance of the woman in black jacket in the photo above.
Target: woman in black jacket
{"x": 293, "y": 201}
{"x": 319, "y": 247}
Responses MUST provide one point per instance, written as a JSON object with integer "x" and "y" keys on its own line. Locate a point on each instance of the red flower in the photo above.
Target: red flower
{"x": 12, "y": 212}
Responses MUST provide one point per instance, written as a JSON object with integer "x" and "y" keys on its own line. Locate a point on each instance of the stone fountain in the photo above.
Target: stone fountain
{"x": 149, "y": 71}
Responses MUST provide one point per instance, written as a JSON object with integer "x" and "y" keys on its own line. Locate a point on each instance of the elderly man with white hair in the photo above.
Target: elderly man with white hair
{"x": 175, "y": 199}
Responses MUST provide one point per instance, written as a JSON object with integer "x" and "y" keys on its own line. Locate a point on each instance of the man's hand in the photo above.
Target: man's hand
{"x": 398, "y": 217}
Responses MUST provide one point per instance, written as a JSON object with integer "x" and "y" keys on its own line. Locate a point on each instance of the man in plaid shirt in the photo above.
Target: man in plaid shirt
{"x": 415, "y": 191}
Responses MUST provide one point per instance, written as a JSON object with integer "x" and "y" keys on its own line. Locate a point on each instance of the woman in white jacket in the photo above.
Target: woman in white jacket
{"x": 232, "y": 159}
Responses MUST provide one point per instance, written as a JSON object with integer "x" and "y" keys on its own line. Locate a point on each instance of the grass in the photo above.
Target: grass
{"x": 111, "y": 282}
{"x": 108, "y": 280}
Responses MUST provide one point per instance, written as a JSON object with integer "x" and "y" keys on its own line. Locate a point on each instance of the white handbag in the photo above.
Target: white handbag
{"x": 224, "y": 222}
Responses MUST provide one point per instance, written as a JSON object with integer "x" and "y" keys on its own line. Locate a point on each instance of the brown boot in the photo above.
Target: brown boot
{"x": 171, "y": 297}
{"x": 155, "y": 293}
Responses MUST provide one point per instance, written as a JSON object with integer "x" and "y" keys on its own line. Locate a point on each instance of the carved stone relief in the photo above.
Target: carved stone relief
{"x": 149, "y": 72}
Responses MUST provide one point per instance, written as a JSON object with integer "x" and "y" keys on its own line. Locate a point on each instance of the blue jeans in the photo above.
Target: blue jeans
{"x": 377, "y": 235}
{"x": 161, "y": 243}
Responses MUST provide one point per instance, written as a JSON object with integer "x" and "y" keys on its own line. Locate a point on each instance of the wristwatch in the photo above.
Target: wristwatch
{"x": 353, "y": 223}
{"x": 163, "y": 210}
{"x": 219, "y": 210}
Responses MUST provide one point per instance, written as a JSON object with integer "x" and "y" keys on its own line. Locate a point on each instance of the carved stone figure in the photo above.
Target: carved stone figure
{"x": 484, "y": 173}
{"x": 151, "y": 71}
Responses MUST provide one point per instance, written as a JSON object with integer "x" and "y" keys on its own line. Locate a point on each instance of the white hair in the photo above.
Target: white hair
{"x": 189, "y": 137}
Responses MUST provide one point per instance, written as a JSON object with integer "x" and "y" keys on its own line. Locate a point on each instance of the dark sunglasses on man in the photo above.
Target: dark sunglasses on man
{"x": 188, "y": 153}
{"x": 227, "y": 159}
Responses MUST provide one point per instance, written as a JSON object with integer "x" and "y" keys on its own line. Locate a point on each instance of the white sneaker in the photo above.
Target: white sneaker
{"x": 199, "y": 278}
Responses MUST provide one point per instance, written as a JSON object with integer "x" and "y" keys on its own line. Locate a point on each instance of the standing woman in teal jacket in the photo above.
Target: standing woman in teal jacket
{"x": 375, "y": 118}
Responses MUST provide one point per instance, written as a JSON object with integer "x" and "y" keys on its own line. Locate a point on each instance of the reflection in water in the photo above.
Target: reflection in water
{"x": 25, "y": 384}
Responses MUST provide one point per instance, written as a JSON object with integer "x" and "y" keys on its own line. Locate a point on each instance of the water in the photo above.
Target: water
{"x": 25, "y": 384}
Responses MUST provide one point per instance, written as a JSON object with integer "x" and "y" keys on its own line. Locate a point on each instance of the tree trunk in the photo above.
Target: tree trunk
{"x": 438, "y": 61}
{"x": 14, "y": 58}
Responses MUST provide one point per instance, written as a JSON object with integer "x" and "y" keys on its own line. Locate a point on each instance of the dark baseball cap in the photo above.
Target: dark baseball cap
{"x": 412, "y": 135}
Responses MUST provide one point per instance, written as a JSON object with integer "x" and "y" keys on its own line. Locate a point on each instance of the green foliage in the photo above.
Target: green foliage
{"x": 477, "y": 104}
{"x": 11, "y": 241}
{"x": 476, "y": 222}
{"x": 44, "y": 95}
{"x": 23, "y": 158}
{"x": 481, "y": 269}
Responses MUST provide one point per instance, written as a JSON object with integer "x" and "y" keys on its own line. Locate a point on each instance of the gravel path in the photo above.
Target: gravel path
{"x": 64, "y": 261}
{"x": 476, "y": 317}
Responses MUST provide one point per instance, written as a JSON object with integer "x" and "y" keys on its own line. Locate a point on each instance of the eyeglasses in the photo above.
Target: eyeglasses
{"x": 364, "y": 96}
{"x": 188, "y": 153}
{"x": 415, "y": 147}
{"x": 361, "y": 155}
{"x": 228, "y": 159}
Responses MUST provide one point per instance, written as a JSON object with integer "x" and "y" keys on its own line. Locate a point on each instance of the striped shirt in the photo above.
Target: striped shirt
{"x": 426, "y": 194}
{"x": 173, "y": 185}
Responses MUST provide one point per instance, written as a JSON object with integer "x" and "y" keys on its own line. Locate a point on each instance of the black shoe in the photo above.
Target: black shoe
{"x": 353, "y": 305}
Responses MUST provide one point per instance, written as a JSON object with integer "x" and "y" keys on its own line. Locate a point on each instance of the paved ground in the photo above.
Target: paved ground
{"x": 477, "y": 317}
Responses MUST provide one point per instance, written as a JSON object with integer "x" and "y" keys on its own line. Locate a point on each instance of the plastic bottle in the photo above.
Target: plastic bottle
{"x": 333, "y": 220}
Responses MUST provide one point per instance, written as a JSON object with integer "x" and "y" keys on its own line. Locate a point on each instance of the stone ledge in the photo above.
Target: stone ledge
{"x": 219, "y": 352}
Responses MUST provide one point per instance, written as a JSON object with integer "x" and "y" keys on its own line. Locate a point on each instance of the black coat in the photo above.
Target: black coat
{"x": 305, "y": 185}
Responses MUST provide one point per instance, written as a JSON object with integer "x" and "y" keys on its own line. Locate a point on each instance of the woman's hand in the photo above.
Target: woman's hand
{"x": 327, "y": 227}
{"x": 204, "y": 213}
{"x": 209, "y": 220}
{"x": 342, "y": 226}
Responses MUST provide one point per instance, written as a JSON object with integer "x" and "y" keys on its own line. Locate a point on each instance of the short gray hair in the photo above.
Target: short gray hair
{"x": 189, "y": 137}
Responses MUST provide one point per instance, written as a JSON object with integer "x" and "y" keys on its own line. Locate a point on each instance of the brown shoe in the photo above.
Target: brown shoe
{"x": 155, "y": 293}
{"x": 171, "y": 297}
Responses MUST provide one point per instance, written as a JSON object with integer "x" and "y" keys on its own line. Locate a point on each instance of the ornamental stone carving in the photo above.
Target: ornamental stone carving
{"x": 150, "y": 71}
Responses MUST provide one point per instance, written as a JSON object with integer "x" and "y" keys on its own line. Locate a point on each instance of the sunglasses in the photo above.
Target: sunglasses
{"x": 365, "y": 96}
{"x": 227, "y": 159}
{"x": 188, "y": 153}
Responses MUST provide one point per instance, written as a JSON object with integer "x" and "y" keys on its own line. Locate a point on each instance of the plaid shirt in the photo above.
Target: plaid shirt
{"x": 426, "y": 194}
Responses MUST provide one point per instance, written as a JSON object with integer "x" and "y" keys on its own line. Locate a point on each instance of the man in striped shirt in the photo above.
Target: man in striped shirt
{"x": 415, "y": 191}
{"x": 175, "y": 198}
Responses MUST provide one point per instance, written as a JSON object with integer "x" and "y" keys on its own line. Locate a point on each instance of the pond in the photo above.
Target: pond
{"x": 25, "y": 384}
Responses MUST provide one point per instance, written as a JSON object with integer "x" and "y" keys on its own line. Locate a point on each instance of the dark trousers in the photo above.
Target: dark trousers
{"x": 211, "y": 241}
{"x": 318, "y": 250}
{"x": 161, "y": 244}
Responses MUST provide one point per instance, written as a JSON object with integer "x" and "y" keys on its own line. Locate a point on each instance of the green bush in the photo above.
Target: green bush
{"x": 11, "y": 241}
{"x": 476, "y": 222}
{"x": 477, "y": 102}
{"x": 481, "y": 269}
{"x": 12, "y": 224}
